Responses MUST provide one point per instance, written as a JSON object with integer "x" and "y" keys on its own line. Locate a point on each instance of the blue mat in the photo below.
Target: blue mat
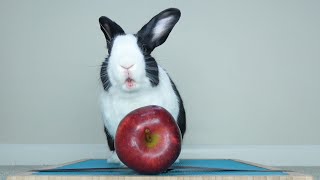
{"x": 228, "y": 166}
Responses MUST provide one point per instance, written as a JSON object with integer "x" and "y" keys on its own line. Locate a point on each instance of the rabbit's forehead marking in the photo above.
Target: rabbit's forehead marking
{"x": 126, "y": 45}
{"x": 126, "y": 52}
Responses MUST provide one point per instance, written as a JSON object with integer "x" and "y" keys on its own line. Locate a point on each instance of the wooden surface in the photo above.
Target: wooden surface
{"x": 32, "y": 177}
{"x": 288, "y": 176}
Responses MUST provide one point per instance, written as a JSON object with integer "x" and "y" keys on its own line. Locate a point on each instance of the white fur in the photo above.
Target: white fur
{"x": 119, "y": 100}
{"x": 126, "y": 53}
{"x": 161, "y": 27}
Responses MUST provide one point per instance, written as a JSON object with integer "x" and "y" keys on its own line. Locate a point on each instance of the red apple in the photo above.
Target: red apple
{"x": 148, "y": 140}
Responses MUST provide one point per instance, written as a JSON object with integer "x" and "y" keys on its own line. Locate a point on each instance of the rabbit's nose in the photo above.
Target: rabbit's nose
{"x": 127, "y": 67}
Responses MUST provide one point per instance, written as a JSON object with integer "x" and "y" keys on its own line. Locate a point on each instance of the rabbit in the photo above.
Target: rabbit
{"x": 132, "y": 78}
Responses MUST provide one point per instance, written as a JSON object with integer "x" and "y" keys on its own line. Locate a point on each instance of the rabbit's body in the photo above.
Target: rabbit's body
{"x": 132, "y": 78}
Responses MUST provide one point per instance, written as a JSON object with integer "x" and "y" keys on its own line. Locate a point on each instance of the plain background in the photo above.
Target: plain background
{"x": 248, "y": 71}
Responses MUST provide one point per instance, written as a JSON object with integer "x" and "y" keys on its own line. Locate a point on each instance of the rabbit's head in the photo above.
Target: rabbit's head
{"x": 130, "y": 66}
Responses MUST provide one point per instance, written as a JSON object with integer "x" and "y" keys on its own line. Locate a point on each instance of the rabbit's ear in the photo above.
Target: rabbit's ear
{"x": 109, "y": 28}
{"x": 156, "y": 31}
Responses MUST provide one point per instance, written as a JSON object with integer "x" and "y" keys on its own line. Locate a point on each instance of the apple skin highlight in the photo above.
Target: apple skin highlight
{"x": 148, "y": 140}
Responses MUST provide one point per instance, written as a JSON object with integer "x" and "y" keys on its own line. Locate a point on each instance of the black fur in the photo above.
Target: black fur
{"x": 182, "y": 114}
{"x": 146, "y": 36}
{"x": 104, "y": 77}
{"x": 110, "y": 139}
{"x": 152, "y": 70}
{"x": 110, "y": 30}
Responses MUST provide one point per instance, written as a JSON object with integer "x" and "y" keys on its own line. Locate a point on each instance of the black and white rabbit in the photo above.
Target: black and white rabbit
{"x": 131, "y": 77}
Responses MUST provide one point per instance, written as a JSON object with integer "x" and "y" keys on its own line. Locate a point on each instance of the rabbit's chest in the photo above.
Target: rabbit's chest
{"x": 115, "y": 108}
{"x": 122, "y": 106}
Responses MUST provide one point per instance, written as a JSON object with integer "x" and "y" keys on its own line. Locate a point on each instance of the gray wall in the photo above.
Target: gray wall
{"x": 248, "y": 71}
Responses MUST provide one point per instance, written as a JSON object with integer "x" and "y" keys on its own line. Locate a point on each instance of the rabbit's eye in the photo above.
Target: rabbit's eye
{"x": 144, "y": 48}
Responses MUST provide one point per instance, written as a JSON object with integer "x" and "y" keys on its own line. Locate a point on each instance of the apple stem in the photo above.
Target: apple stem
{"x": 148, "y": 135}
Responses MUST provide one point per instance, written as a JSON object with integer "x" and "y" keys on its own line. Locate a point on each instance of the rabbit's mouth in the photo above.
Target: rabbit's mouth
{"x": 130, "y": 83}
